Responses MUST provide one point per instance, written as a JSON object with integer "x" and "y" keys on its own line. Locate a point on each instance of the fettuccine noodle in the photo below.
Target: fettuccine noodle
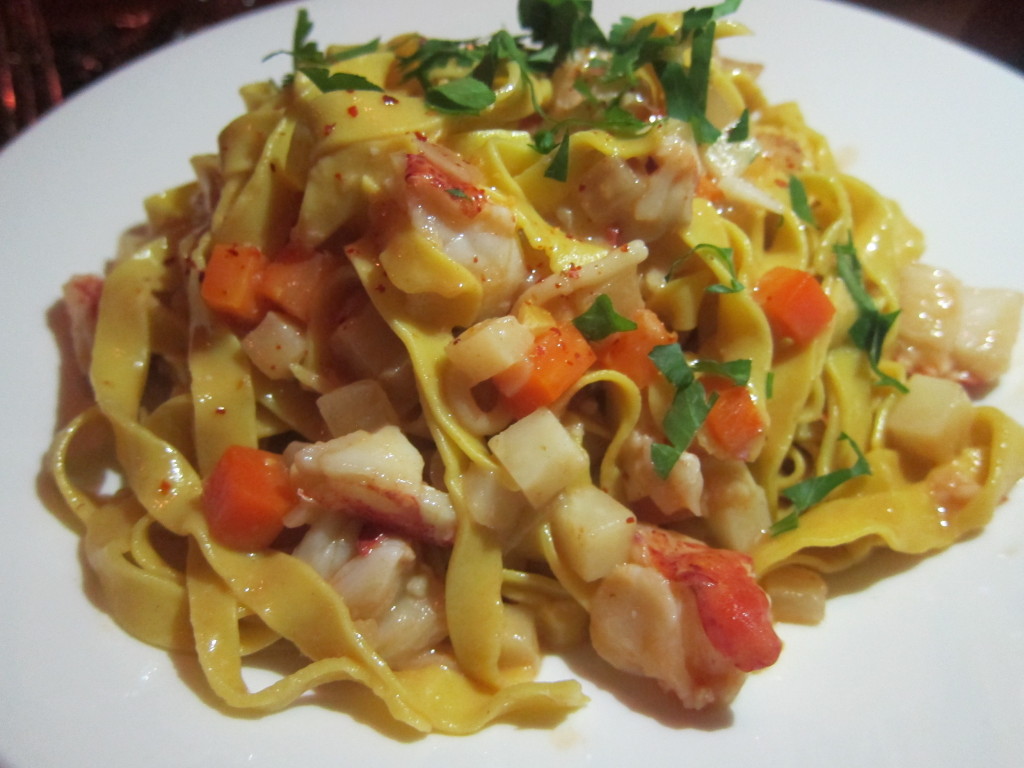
{"x": 569, "y": 365}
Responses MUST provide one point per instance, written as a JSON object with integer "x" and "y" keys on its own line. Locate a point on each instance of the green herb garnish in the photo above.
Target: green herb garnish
{"x": 308, "y": 59}
{"x": 737, "y": 371}
{"x": 725, "y": 256}
{"x": 327, "y": 81}
{"x": 807, "y": 493}
{"x": 871, "y": 327}
{"x": 741, "y": 130}
{"x": 458, "y": 76}
{"x": 798, "y": 201}
{"x": 691, "y": 403}
{"x": 601, "y": 320}
{"x": 561, "y": 25}
{"x": 467, "y": 95}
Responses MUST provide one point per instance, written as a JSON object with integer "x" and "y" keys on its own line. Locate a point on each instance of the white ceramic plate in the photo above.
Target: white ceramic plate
{"x": 922, "y": 668}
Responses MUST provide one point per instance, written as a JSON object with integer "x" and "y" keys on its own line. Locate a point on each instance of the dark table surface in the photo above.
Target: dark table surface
{"x": 82, "y": 40}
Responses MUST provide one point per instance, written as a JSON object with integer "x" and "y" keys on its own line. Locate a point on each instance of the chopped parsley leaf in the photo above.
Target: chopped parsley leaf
{"x": 724, "y": 255}
{"x": 466, "y": 95}
{"x": 741, "y": 130}
{"x": 308, "y": 59}
{"x": 458, "y": 76}
{"x": 327, "y": 81}
{"x": 558, "y": 168}
{"x": 601, "y": 320}
{"x": 737, "y": 371}
{"x": 871, "y": 327}
{"x": 807, "y": 493}
{"x": 798, "y": 201}
{"x": 691, "y": 403}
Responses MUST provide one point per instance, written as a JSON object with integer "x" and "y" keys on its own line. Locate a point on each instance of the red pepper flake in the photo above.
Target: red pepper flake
{"x": 337, "y": 176}
{"x": 380, "y": 288}
{"x": 421, "y": 135}
{"x": 329, "y": 128}
{"x": 389, "y": 100}
{"x": 353, "y": 111}
{"x": 220, "y": 410}
{"x": 164, "y": 488}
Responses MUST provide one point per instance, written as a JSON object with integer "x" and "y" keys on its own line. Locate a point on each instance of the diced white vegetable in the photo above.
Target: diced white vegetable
{"x": 275, "y": 344}
{"x": 592, "y": 531}
{"x": 362, "y": 404}
{"x": 489, "y": 347}
{"x": 520, "y": 647}
{"x": 989, "y": 323}
{"x": 490, "y": 503}
{"x": 540, "y": 455}
{"x": 932, "y": 420}
{"x": 798, "y": 594}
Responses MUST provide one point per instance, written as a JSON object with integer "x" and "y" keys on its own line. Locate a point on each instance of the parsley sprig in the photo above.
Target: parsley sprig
{"x": 799, "y": 203}
{"x": 811, "y": 491}
{"x": 691, "y": 404}
{"x": 725, "y": 256}
{"x": 871, "y": 327}
{"x": 458, "y": 75}
{"x": 601, "y": 320}
{"x": 308, "y": 59}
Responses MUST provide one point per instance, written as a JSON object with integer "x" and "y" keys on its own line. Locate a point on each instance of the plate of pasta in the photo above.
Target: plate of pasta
{"x": 554, "y": 382}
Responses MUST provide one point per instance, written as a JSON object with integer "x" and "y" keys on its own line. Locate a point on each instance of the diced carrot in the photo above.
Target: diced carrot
{"x": 560, "y": 355}
{"x": 246, "y": 497}
{"x": 628, "y": 352}
{"x": 231, "y": 281}
{"x": 292, "y": 281}
{"x": 795, "y": 304}
{"x": 734, "y": 423}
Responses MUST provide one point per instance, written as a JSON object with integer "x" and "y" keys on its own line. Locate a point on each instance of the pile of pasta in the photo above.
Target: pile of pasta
{"x": 369, "y": 283}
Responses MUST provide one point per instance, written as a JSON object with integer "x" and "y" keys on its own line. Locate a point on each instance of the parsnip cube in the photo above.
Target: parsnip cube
{"x": 490, "y": 503}
{"x": 592, "y": 531}
{"x": 797, "y": 593}
{"x": 275, "y": 345}
{"x": 540, "y": 455}
{"x": 489, "y": 347}
{"x": 932, "y": 420}
{"x": 362, "y": 404}
{"x": 520, "y": 647}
